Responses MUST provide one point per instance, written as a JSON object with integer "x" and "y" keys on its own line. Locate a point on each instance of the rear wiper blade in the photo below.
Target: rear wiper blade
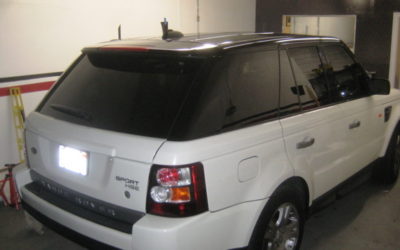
{"x": 72, "y": 111}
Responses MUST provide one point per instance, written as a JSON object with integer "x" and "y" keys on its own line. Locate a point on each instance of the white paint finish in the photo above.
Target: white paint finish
{"x": 392, "y": 99}
{"x": 364, "y": 142}
{"x": 394, "y": 67}
{"x": 319, "y": 164}
{"x": 8, "y": 145}
{"x": 139, "y": 148}
{"x": 248, "y": 169}
{"x": 225, "y": 229}
{"x": 111, "y": 154}
{"x": 88, "y": 228}
{"x": 221, "y": 155}
{"x": 339, "y": 152}
{"x": 22, "y": 176}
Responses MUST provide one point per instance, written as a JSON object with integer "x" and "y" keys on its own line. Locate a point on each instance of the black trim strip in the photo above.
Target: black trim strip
{"x": 97, "y": 211}
{"x": 28, "y": 77}
{"x": 65, "y": 231}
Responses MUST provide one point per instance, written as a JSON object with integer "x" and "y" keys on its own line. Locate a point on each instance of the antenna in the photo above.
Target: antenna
{"x": 169, "y": 34}
{"x": 119, "y": 32}
{"x": 164, "y": 26}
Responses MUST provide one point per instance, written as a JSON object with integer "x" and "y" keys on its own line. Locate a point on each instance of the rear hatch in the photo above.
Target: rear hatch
{"x": 97, "y": 131}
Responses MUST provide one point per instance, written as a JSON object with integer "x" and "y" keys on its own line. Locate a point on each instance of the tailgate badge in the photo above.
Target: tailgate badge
{"x": 129, "y": 183}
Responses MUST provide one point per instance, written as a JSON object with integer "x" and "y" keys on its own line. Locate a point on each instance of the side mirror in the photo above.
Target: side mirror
{"x": 379, "y": 86}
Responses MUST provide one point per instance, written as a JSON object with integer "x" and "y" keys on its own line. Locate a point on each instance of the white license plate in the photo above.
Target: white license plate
{"x": 73, "y": 160}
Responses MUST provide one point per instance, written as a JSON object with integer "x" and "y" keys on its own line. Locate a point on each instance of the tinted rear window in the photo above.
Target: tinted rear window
{"x": 130, "y": 93}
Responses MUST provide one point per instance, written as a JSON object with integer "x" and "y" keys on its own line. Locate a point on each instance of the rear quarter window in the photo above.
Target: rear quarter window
{"x": 240, "y": 90}
{"x": 253, "y": 82}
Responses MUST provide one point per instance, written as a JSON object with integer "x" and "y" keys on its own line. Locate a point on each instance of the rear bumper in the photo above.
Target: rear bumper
{"x": 226, "y": 229}
{"x": 84, "y": 227}
{"x": 64, "y": 231}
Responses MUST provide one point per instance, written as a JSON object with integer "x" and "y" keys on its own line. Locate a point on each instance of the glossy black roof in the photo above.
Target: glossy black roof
{"x": 204, "y": 42}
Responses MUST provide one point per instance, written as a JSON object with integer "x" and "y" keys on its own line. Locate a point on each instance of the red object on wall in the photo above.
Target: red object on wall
{"x": 27, "y": 88}
{"x": 14, "y": 196}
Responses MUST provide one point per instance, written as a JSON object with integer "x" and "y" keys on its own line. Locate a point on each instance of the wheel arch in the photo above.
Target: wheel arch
{"x": 393, "y": 123}
{"x": 294, "y": 182}
{"x": 301, "y": 184}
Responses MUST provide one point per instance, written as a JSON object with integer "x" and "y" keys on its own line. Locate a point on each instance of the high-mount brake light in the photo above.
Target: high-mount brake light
{"x": 177, "y": 190}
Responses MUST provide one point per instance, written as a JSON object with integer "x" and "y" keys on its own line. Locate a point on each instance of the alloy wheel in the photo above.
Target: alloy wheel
{"x": 283, "y": 229}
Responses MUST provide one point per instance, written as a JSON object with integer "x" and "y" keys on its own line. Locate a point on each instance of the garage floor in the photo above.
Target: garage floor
{"x": 366, "y": 218}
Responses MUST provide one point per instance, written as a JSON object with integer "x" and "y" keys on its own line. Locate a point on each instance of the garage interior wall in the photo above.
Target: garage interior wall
{"x": 44, "y": 36}
{"x": 341, "y": 26}
{"x": 374, "y": 24}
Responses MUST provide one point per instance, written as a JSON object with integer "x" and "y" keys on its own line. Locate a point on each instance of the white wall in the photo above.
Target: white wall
{"x": 40, "y": 36}
{"x": 341, "y": 26}
{"x": 46, "y": 35}
{"x": 394, "y": 69}
{"x": 218, "y": 15}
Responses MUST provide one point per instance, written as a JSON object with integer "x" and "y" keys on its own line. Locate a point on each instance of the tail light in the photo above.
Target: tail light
{"x": 177, "y": 190}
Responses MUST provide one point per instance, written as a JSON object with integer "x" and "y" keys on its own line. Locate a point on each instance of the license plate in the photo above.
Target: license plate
{"x": 73, "y": 160}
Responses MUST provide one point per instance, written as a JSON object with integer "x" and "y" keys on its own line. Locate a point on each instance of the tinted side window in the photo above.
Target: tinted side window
{"x": 206, "y": 106}
{"x": 289, "y": 98}
{"x": 309, "y": 76}
{"x": 252, "y": 80}
{"x": 347, "y": 80}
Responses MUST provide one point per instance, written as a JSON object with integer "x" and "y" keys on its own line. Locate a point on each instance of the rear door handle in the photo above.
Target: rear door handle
{"x": 308, "y": 141}
{"x": 354, "y": 124}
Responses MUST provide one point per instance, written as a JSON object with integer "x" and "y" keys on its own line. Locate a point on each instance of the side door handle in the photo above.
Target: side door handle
{"x": 354, "y": 124}
{"x": 388, "y": 111}
{"x": 308, "y": 141}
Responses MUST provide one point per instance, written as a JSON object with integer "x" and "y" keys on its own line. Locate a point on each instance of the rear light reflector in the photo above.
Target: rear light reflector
{"x": 173, "y": 176}
{"x": 177, "y": 191}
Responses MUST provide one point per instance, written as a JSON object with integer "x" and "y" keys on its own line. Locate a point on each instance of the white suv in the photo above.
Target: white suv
{"x": 218, "y": 142}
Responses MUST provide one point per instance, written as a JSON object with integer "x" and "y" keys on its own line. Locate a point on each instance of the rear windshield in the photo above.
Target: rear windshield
{"x": 131, "y": 93}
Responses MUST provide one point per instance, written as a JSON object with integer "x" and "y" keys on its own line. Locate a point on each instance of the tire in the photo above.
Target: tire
{"x": 281, "y": 223}
{"x": 389, "y": 172}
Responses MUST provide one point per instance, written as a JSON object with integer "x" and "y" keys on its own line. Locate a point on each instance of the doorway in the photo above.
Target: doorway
{"x": 341, "y": 26}
{"x": 394, "y": 68}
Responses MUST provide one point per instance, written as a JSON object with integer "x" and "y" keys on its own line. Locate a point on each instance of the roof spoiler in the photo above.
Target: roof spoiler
{"x": 169, "y": 34}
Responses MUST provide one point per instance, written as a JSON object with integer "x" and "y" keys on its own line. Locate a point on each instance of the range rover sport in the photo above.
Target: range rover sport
{"x": 214, "y": 142}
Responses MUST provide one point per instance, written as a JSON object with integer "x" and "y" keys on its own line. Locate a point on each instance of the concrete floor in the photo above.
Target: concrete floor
{"x": 366, "y": 218}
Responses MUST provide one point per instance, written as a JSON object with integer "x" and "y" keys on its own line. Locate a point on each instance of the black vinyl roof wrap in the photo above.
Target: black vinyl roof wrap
{"x": 205, "y": 42}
